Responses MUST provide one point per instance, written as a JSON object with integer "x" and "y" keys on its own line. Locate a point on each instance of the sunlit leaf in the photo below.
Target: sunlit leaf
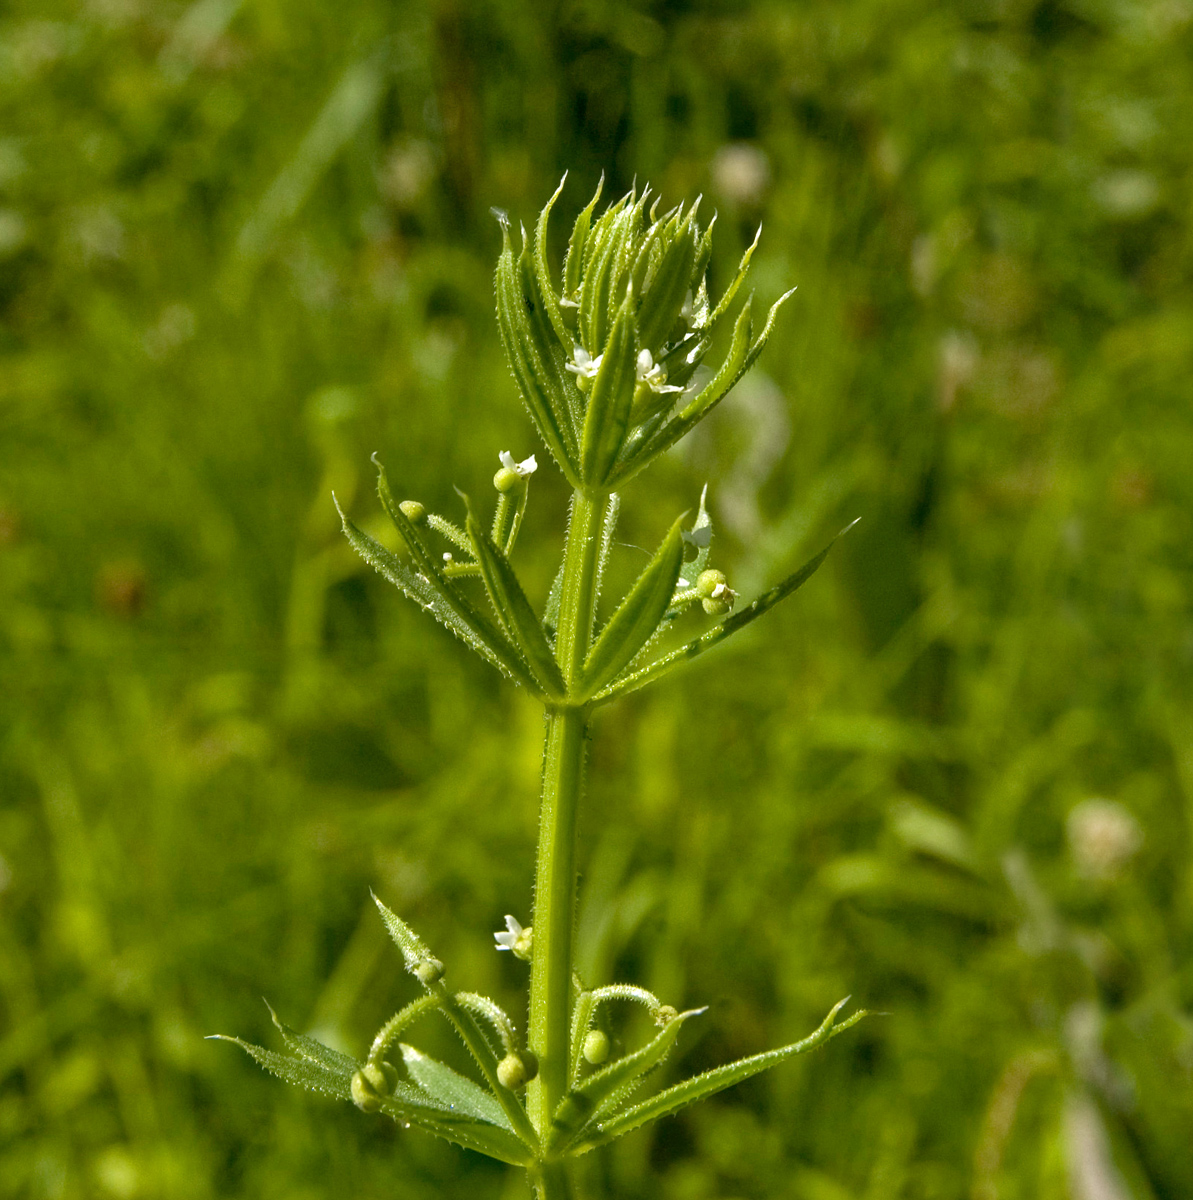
{"x": 452, "y": 1090}
{"x": 651, "y": 671}
{"x": 638, "y": 616}
{"x": 674, "y": 1098}
{"x": 584, "y": 1101}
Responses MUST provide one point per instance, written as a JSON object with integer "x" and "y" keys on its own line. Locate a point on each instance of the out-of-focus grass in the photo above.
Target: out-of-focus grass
{"x": 242, "y": 246}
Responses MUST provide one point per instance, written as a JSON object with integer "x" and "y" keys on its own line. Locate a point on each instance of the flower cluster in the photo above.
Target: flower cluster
{"x": 610, "y": 362}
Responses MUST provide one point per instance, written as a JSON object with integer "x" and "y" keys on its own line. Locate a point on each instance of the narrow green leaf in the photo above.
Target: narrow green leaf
{"x": 608, "y": 531}
{"x": 302, "y": 1072}
{"x": 536, "y": 371}
{"x": 452, "y": 1090}
{"x": 407, "y": 1104}
{"x": 603, "y": 274}
{"x": 313, "y": 1051}
{"x": 455, "y": 600}
{"x": 711, "y": 1082}
{"x": 703, "y": 254}
{"x": 574, "y": 262}
{"x": 638, "y": 615}
{"x": 543, "y": 273}
{"x": 582, "y": 1102}
{"x": 667, "y": 288}
{"x": 743, "y": 268}
{"x": 414, "y": 949}
{"x": 660, "y": 666}
{"x": 514, "y": 611}
{"x": 417, "y": 588}
{"x": 611, "y": 398}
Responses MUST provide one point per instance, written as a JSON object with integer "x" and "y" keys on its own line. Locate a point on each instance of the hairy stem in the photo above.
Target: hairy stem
{"x": 563, "y": 780}
{"x": 551, "y": 1182}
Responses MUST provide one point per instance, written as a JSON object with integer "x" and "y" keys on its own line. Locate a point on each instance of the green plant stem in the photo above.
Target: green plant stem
{"x": 552, "y": 1183}
{"x": 563, "y": 781}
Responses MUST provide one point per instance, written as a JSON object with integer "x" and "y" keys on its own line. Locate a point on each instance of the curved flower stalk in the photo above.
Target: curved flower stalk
{"x": 609, "y": 357}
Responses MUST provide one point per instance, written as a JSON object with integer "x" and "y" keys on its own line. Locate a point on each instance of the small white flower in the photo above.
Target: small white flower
{"x": 583, "y": 365}
{"x": 447, "y": 556}
{"x": 653, "y": 374}
{"x": 526, "y": 467}
{"x": 719, "y": 590}
{"x": 515, "y": 938}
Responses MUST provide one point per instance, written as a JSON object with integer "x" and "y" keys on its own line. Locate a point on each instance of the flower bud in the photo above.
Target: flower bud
{"x": 429, "y": 971}
{"x": 373, "y": 1084}
{"x": 596, "y": 1047}
{"x": 414, "y": 512}
{"x": 665, "y": 1014}
{"x": 514, "y": 1070}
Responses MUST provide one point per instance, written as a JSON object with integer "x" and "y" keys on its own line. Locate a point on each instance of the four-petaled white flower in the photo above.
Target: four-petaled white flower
{"x": 653, "y": 374}
{"x": 526, "y": 467}
{"x": 515, "y": 938}
{"x": 584, "y": 366}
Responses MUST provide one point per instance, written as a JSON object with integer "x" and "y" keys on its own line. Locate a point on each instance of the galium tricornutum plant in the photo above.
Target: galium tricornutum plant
{"x": 610, "y": 363}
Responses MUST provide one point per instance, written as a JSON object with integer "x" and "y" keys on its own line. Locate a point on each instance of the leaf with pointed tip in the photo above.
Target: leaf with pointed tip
{"x": 703, "y": 254}
{"x": 478, "y": 636}
{"x": 414, "y": 949}
{"x": 573, "y": 264}
{"x": 668, "y": 286}
{"x": 637, "y": 617}
{"x": 611, "y": 398}
{"x": 708, "y": 1084}
{"x": 311, "y": 1050}
{"x": 651, "y": 671}
{"x": 303, "y": 1072}
{"x": 731, "y": 291}
{"x": 534, "y": 356}
{"x": 603, "y": 275}
{"x": 584, "y": 1101}
{"x": 451, "y": 1090}
{"x": 543, "y": 274}
{"x": 513, "y": 610}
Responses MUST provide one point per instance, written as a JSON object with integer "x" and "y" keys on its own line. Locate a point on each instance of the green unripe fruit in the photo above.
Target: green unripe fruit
{"x": 429, "y": 971}
{"x": 514, "y": 1071}
{"x": 414, "y": 512}
{"x": 665, "y": 1014}
{"x": 596, "y": 1047}
{"x": 372, "y": 1085}
{"x": 708, "y": 581}
{"x": 506, "y": 480}
{"x": 716, "y": 596}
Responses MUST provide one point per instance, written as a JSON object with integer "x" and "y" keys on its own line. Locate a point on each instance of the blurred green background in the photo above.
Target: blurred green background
{"x": 245, "y": 243}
